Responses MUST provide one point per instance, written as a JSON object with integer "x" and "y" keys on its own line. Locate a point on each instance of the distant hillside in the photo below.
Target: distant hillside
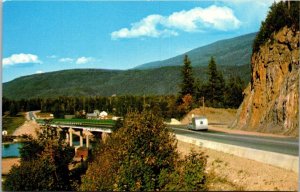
{"x": 229, "y": 52}
{"x": 92, "y": 82}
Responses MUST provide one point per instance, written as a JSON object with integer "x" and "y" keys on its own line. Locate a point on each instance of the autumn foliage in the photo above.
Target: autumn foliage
{"x": 140, "y": 156}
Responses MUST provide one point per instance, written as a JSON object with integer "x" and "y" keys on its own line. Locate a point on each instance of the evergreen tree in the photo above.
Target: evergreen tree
{"x": 188, "y": 81}
{"x": 234, "y": 92}
{"x": 14, "y": 108}
{"x": 216, "y": 85}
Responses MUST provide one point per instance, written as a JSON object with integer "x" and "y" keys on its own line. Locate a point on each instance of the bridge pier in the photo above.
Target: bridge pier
{"x": 71, "y": 137}
{"x": 87, "y": 143}
{"x": 81, "y": 138}
{"x": 67, "y": 137}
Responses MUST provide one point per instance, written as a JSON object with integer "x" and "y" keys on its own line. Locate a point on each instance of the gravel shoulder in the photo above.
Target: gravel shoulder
{"x": 230, "y": 172}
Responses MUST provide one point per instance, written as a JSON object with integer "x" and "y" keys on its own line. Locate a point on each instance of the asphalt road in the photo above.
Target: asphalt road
{"x": 289, "y": 146}
{"x": 31, "y": 116}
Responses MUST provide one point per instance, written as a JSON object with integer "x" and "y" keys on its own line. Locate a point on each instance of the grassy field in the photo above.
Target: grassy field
{"x": 12, "y": 123}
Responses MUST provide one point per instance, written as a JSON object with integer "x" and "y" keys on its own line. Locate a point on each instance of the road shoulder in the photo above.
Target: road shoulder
{"x": 236, "y": 173}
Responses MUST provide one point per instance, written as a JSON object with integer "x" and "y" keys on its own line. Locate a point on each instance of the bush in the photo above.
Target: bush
{"x": 189, "y": 174}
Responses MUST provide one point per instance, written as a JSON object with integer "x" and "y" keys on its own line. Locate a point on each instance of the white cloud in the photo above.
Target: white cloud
{"x": 146, "y": 27}
{"x": 39, "y": 72}
{"x": 20, "y": 59}
{"x": 84, "y": 60}
{"x": 196, "y": 19}
{"x": 66, "y": 60}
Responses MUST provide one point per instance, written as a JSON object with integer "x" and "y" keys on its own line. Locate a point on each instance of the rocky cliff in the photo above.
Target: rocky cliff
{"x": 271, "y": 102}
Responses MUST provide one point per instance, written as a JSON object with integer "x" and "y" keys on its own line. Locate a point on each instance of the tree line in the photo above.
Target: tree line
{"x": 215, "y": 92}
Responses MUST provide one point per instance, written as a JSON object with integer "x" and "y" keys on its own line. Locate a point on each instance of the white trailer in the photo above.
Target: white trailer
{"x": 198, "y": 123}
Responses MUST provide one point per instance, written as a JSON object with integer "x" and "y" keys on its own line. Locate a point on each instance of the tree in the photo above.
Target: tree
{"x": 234, "y": 92}
{"x": 187, "y": 85}
{"x": 44, "y": 164}
{"x": 14, "y": 108}
{"x": 215, "y": 88}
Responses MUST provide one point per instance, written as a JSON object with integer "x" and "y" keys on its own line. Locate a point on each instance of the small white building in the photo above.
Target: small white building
{"x": 91, "y": 116}
{"x": 103, "y": 115}
{"x": 4, "y": 132}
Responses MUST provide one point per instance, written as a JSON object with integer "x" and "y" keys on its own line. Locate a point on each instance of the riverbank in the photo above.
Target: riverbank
{"x": 7, "y": 164}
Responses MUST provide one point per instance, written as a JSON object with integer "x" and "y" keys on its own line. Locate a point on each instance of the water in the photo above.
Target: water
{"x": 11, "y": 150}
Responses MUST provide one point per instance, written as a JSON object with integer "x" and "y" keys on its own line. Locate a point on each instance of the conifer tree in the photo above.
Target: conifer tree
{"x": 234, "y": 92}
{"x": 187, "y": 86}
{"x": 216, "y": 85}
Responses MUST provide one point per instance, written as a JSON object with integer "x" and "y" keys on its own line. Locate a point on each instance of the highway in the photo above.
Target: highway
{"x": 289, "y": 146}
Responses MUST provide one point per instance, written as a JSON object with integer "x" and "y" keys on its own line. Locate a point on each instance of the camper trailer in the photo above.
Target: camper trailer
{"x": 198, "y": 123}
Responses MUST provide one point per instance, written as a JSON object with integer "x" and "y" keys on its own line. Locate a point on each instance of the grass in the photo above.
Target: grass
{"x": 81, "y": 121}
{"x": 10, "y": 124}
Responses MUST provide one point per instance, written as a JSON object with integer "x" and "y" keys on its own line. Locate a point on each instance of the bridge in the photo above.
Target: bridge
{"x": 82, "y": 127}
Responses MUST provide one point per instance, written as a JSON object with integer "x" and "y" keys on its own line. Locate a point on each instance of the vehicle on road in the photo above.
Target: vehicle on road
{"x": 198, "y": 123}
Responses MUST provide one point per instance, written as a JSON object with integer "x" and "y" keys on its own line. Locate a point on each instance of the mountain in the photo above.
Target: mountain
{"x": 235, "y": 51}
{"x": 155, "y": 78}
{"x": 92, "y": 82}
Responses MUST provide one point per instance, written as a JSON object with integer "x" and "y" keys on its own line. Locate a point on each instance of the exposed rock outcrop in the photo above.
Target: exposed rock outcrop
{"x": 271, "y": 102}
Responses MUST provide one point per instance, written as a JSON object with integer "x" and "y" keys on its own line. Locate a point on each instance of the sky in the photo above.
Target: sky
{"x": 44, "y": 36}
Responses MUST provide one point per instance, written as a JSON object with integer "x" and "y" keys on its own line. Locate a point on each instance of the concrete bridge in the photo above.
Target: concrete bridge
{"x": 83, "y": 131}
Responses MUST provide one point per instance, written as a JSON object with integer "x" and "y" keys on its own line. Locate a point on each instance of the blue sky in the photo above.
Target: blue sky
{"x": 44, "y": 36}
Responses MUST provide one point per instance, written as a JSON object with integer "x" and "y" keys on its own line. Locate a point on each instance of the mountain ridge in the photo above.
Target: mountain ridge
{"x": 97, "y": 82}
{"x": 224, "y": 51}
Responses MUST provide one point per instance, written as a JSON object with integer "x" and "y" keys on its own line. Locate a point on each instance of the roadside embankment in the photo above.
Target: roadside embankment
{"x": 230, "y": 173}
{"x": 287, "y": 162}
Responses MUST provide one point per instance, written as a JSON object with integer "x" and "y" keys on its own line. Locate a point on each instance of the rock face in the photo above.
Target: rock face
{"x": 271, "y": 102}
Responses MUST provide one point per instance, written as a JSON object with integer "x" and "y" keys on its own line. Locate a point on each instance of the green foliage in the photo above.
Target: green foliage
{"x": 117, "y": 125}
{"x": 278, "y": 16}
{"x": 91, "y": 83}
{"x": 10, "y": 124}
{"x": 187, "y": 85}
{"x": 229, "y": 52}
{"x": 140, "y": 156}
{"x": 30, "y": 150}
{"x": 214, "y": 90}
{"x": 13, "y": 109}
{"x": 44, "y": 164}
{"x": 234, "y": 92}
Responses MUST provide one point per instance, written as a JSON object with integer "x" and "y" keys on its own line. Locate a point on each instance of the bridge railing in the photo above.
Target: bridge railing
{"x": 80, "y": 122}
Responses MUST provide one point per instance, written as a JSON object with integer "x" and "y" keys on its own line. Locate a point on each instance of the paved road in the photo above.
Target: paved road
{"x": 288, "y": 146}
{"x": 31, "y": 116}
